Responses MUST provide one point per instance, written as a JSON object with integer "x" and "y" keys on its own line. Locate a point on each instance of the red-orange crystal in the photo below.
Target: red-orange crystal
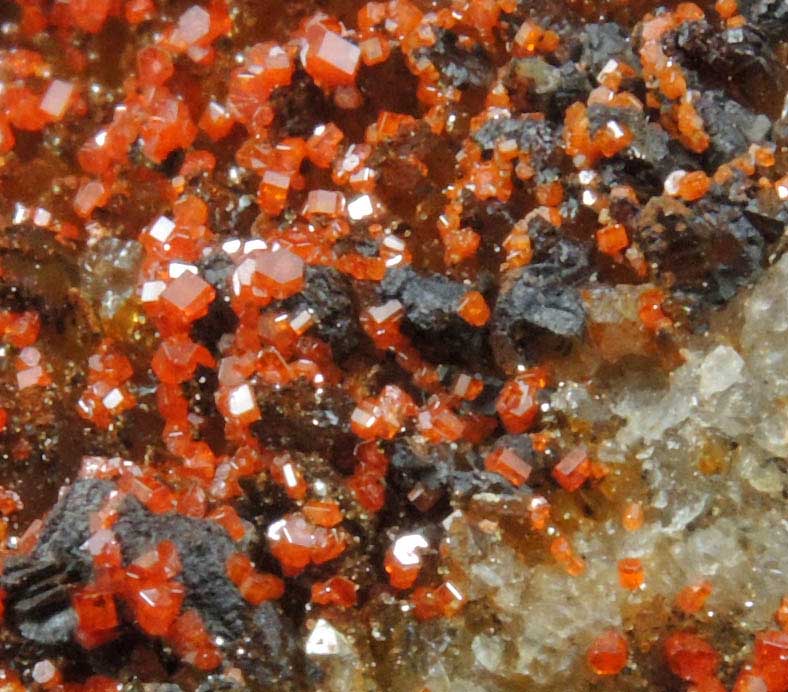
{"x": 608, "y": 653}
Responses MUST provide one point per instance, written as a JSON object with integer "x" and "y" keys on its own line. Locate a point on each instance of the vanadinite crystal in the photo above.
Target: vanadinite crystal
{"x": 97, "y": 616}
{"x": 690, "y": 657}
{"x": 506, "y": 463}
{"x": 393, "y": 345}
{"x": 608, "y": 653}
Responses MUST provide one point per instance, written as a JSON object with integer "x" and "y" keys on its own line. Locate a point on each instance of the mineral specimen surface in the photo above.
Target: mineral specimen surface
{"x": 399, "y": 346}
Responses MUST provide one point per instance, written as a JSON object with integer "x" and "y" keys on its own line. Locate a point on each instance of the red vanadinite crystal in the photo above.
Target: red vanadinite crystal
{"x": 56, "y": 99}
{"x": 474, "y": 310}
{"x": 101, "y": 402}
{"x": 10, "y": 682}
{"x": 109, "y": 365}
{"x": 608, "y": 653}
{"x": 258, "y": 587}
{"x": 573, "y": 470}
{"x": 97, "y": 616}
{"x": 632, "y": 517}
{"x": 693, "y": 186}
{"x": 707, "y": 685}
{"x": 274, "y": 188}
{"x": 726, "y": 8}
{"x": 271, "y": 63}
{"x": 153, "y": 595}
{"x": 168, "y": 128}
{"x": 382, "y": 418}
{"x": 438, "y": 423}
{"x": 324, "y": 202}
{"x": 192, "y": 502}
{"x": 171, "y": 402}
{"x": 330, "y": 59}
{"x": 154, "y": 66}
{"x": 323, "y": 146}
{"x": 286, "y": 472}
{"x": 517, "y": 405}
{"x": 748, "y": 681}
{"x": 20, "y": 329}
{"x": 89, "y": 16}
{"x": 228, "y": 518}
{"x": 216, "y": 121}
{"x": 630, "y": 573}
{"x": 137, "y": 11}
{"x": 278, "y": 273}
{"x": 771, "y": 659}
{"x": 156, "y": 605}
{"x": 187, "y": 298}
{"x": 191, "y": 641}
{"x": 507, "y": 463}
{"x": 691, "y": 128}
{"x": 693, "y": 597}
{"x": 324, "y": 513}
{"x": 296, "y": 543}
{"x": 467, "y": 387}
{"x": 10, "y": 502}
{"x": 239, "y": 567}
{"x": 375, "y": 50}
{"x": 781, "y": 616}
{"x": 104, "y": 550}
{"x": 561, "y": 550}
{"x": 445, "y": 600}
{"x": 368, "y": 489}
{"x": 177, "y": 358}
{"x": 338, "y": 591}
{"x": 30, "y": 369}
{"x": 690, "y": 657}
{"x": 650, "y": 310}
{"x": 403, "y": 560}
{"x": 612, "y": 239}
{"x": 381, "y": 323}
{"x": 23, "y": 107}
{"x": 238, "y": 403}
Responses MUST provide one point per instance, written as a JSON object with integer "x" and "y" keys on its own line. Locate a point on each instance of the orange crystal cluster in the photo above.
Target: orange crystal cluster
{"x": 256, "y": 587}
{"x": 320, "y": 195}
{"x": 296, "y": 543}
{"x": 21, "y": 330}
{"x": 107, "y": 394}
{"x": 49, "y": 678}
{"x": 150, "y": 591}
{"x": 383, "y": 416}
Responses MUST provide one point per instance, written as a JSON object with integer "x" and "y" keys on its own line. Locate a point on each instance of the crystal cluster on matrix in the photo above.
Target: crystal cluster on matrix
{"x": 351, "y": 318}
{"x": 107, "y": 394}
{"x": 148, "y": 589}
